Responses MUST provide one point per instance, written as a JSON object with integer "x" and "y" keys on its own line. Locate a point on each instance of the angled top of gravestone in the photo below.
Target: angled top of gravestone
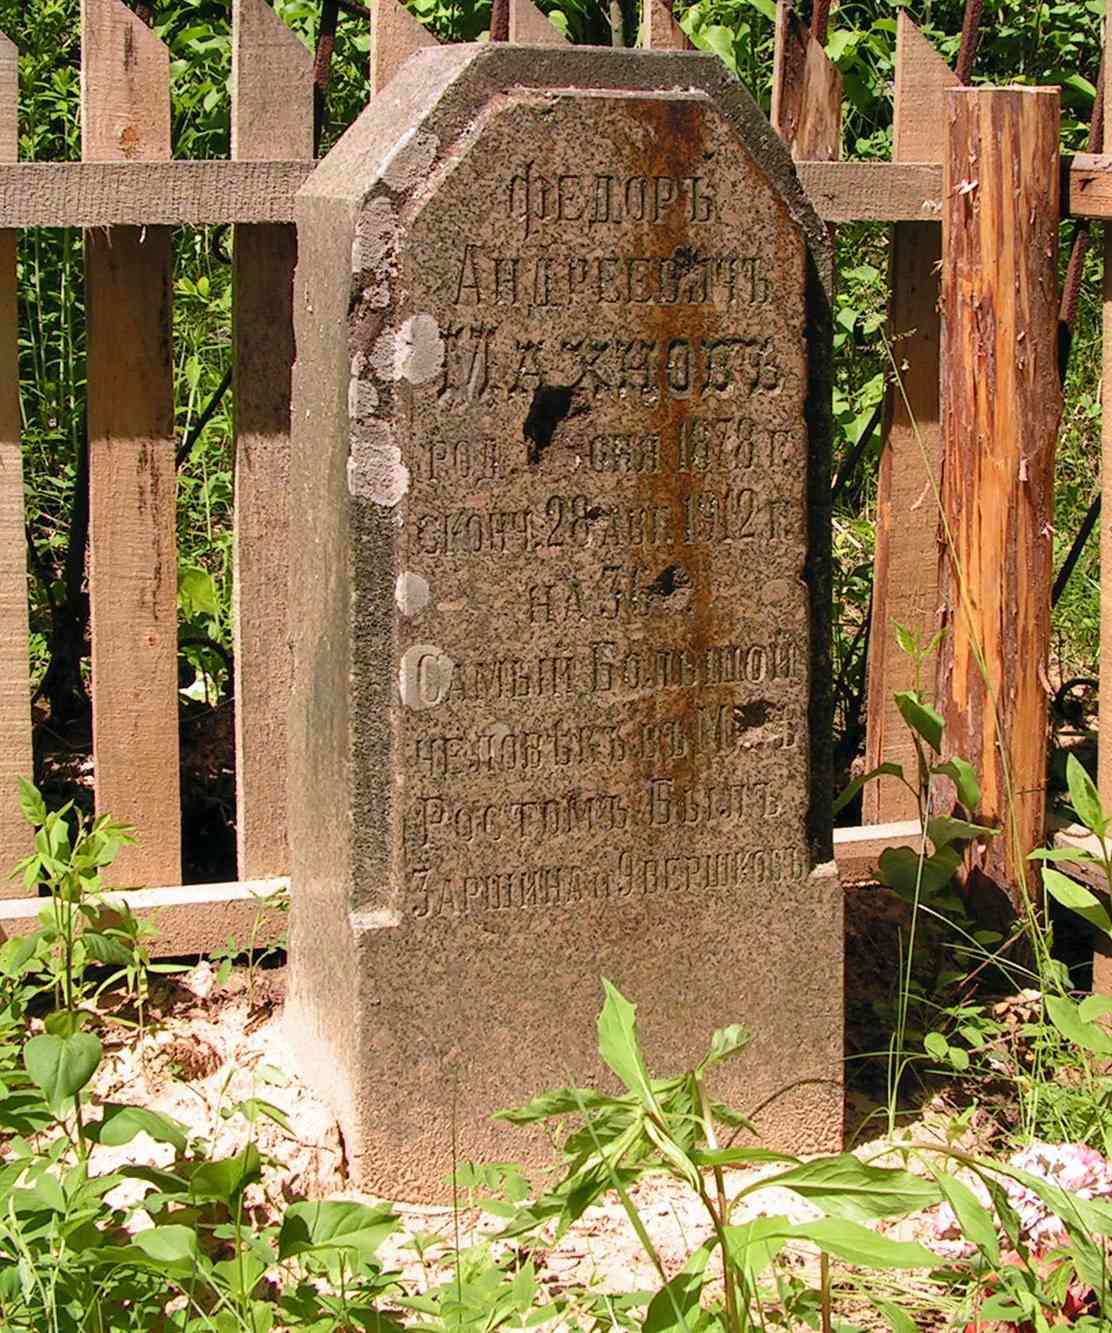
{"x": 559, "y": 482}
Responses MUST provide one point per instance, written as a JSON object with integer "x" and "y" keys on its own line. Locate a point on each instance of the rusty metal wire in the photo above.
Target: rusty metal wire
{"x": 970, "y": 35}
{"x": 500, "y": 21}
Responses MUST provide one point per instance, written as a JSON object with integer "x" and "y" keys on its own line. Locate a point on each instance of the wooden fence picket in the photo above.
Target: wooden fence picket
{"x": 125, "y": 116}
{"x": 806, "y": 91}
{"x": 395, "y": 36}
{"x": 272, "y": 118}
{"x": 15, "y": 695}
{"x": 905, "y": 577}
{"x": 1001, "y": 402}
{"x": 660, "y": 31}
{"x": 530, "y": 27}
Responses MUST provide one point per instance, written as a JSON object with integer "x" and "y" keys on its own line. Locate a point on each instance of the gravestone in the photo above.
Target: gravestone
{"x": 559, "y": 479}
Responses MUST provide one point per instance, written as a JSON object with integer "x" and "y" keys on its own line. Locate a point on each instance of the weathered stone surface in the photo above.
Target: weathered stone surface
{"x": 560, "y": 459}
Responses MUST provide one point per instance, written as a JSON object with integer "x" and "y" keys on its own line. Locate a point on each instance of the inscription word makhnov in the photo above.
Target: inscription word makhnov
{"x": 578, "y": 445}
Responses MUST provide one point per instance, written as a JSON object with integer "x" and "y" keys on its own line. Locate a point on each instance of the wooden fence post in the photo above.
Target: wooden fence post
{"x": 905, "y": 578}
{"x": 659, "y": 30}
{"x": 395, "y": 35}
{"x": 272, "y": 118}
{"x": 529, "y": 26}
{"x": 16, "y": 758}
{"x": 806, "y": 91}
{"x": 125, "y": 116}
{"x": 1000, "y": 407}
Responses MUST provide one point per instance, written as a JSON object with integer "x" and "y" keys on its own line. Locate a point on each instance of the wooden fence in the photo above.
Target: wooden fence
{"x": 973, "y": 164}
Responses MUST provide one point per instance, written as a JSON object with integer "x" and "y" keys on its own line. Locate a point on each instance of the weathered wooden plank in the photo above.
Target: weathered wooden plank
{"x": 905, "y": 583}
{"x": 188, "y": 919}
{"x": 530, "y": 27}
{"x": 125, "y": 113}
{"x": 16, "y": 758}
{"x": 806, "y": 91}
{"x": 272, "y": 117}
{"x": 152, "y": 194}
{"x": 857, "y": 851}
{"x": 183, "y": 193}
{"x": 659, "y": 30}
{"x": 272, "y": 82}
{"x": 395, "y": 36}
{"x": 1000, "y": 407}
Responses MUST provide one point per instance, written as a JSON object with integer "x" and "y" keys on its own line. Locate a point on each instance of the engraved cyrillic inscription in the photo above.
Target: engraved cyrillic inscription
{"x": 606, "y": 503}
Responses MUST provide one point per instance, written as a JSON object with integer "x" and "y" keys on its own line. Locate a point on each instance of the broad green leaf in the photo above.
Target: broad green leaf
{"x": 678, "y": 1300}
{"x": 1084, "y": 797}
{"x": 848, "y": 793}
{"x": 726, "y": 1042}
{"x": 920, "y": 717}
{"x": 1061, "y": 854}
{"x": 752, "y": 1246}
{"x": 846, "y": 1187}
{"x": 64, "y": 1022}
{"x": 240, "y": 1275}
{"x": 898, "y": 1320}
{"x": 856, "y": 1244}
{"x": 944, "y": 829}
{"x": 1077, "y": 898}
{"x": 120, "y": 1124}
{"x": 726, "y": 1115}
{"x": 1093, "y": 1007}
{"x": 197, "y": 591}
{"x": 738, "y": 1156}
{"x": 936, "y": 1045}
{"x": 16, "y": 953}
{"x": 334, "y": 1225}
{"x": 977, "y": 1224}
{"x": 559, "y": 1101}
{"x": 105, "y": 949}
{"x": 906, "y": 872}
{"x": 964, "y": 777}
{"x": 61, "y": 1066}
{"x": 618, "y": 1044}
{"x": 31, "y": 803}
{"x": 1065, "y": 1017}
{"x": 226, "y": 1179}
{"x": 168, "y": 1244}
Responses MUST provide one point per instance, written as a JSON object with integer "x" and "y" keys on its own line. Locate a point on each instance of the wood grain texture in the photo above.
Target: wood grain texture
{"x": 16, "y": 759}
{"x": 806, "y": 91}
{"x": 181, "y": 193}
{"x": 125, "y": 96}
{"x": 272, "y": 83}
{"x": 125, "y": 86}
{"x": 660, "y": 31}
{"x": 269, "y": 64}
{"x": 1000, "y": 407}
{"x": 905, "y": 579}
{"x": 395, "y": 35}
{"x": 530, "y": 27}
{"x": 135, "y": 194}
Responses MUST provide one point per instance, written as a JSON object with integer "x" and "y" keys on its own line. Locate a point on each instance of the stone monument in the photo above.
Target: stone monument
{"x": 559, "y": 602}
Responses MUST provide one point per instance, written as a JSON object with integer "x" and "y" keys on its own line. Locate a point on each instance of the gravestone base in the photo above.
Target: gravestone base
{"x": 559, "y": 604}
{"x": 503, "y": 1012}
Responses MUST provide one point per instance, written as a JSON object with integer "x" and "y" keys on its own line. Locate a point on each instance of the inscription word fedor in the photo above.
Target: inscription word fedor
{"x": 664, "y": 345}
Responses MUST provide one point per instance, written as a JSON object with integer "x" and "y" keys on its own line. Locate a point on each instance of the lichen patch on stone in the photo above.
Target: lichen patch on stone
{"x": 375, "y": 468}
{"x": 424, "y": 676}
